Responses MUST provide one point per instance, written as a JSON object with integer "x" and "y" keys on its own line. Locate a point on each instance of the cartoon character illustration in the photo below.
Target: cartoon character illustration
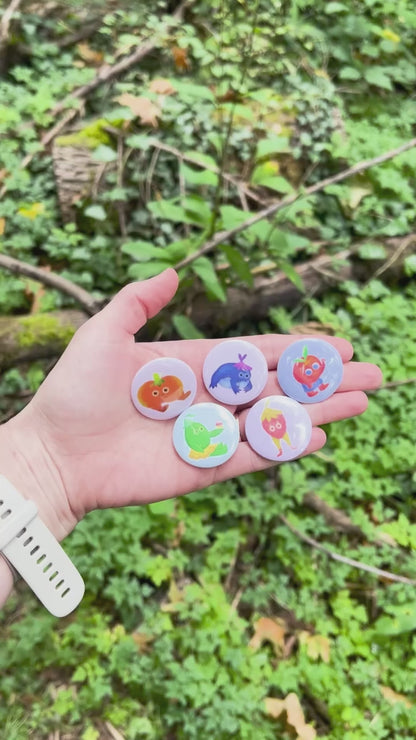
{"x": 160, "y": 392}
{"x": 198, "y": 438}
{"x": 234, "y": 375}
{"x": 308, "y": 370}
{"x": 274, "y": 424}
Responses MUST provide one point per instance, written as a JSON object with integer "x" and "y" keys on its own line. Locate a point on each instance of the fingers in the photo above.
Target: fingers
{"x": 361, "y": 375}
{"x": 137, "y": 302}
{"x": 245, "y": 460}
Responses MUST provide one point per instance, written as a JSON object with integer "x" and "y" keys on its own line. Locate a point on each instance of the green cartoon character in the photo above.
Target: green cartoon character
{"x": 198, "y": 438}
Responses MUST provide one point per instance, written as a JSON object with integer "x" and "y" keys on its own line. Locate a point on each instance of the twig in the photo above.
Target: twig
{"x": 223, "y": 236}
{"x": 89, "y": 304}
{"x": 347, "y": 561}
{"x": 5, "y": 21}
{"x": 393, "y": 384}
{"x": 403, "y": 245}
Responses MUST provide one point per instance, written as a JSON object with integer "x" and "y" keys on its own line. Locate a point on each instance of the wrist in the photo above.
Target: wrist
{"x": 26, "y": 461}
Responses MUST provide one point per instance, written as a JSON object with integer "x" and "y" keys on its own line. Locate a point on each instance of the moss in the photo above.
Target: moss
{"x": 43, "y": 329}
{"x": 90, "y": 136}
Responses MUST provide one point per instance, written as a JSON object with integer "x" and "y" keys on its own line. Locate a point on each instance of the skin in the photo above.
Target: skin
{"x": 80, "y": 444}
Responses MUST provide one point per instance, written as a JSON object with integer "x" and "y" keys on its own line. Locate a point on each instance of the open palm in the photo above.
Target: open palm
{"x": 110, "y": 455}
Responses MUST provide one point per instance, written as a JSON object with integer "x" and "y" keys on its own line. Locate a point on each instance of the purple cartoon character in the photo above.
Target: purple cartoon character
{"x": 234, "y": 375}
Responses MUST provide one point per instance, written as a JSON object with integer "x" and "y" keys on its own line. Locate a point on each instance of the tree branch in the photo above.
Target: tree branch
{"x": 347, "y": 561}
{"x": 89, "y": 304}
{"x": 223, "y": 236}
{"x": 5, "y": 21}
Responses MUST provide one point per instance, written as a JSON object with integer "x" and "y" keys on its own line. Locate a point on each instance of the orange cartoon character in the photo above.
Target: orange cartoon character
{"x": 159, "y": 392}
{"x": 274, "y": 424}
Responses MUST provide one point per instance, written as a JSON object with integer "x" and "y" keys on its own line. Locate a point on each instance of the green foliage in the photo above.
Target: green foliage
{"x": 260, "y": 99}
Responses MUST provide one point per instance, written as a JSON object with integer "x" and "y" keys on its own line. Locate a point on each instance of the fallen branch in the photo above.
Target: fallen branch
{"x": 52, "y": 280}
{"x": 224, "y": 236}
{"x": 5, "y": 21}
{"x": 379, "y": 572}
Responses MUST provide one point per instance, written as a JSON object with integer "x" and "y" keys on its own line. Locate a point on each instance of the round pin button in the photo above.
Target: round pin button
{"x": 206, "y": 435}
{"x": 278, "y": 428}
{"x": 163, "y": 388}
{"x": 310, "y": 370}
{"x": 235, "y": 372}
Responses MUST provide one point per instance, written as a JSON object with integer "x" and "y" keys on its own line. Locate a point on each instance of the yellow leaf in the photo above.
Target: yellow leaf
{"x": 389, "y": 35}
{"x": 294, "y": 715}
{"x": 32, "y": 211}
{"x": 317, "y": 646}
{"x": 270, "y": 630}
{"x": 162, "y": 87}
{"x": 175, "y": 597}
{"x": 2, "y": 226}
{"x": 142, "y": 107}
{"x": 393, "y": 698}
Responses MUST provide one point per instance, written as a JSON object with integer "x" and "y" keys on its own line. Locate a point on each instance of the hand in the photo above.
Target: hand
{"x": 86, "y": 445}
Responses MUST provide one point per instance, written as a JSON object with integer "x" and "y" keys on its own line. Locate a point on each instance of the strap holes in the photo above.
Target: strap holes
{"x": 41, "y": 559}
{"x": 58, "y": 585}
{"x": 22, "y": 531}
{"x": 35, "y": 549}
{"x": 53, "y": 575}
{"x": 64, "y": 593}
{"x": 6, "y": 514}
{"x": 27, "y": 542}
{"x": 46, "y": 568}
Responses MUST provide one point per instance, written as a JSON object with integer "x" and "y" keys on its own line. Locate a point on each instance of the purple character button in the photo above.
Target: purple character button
{"x": 310, "y": 370}
{"x": 278, "y": 428}
{"x": 235, "y": 372}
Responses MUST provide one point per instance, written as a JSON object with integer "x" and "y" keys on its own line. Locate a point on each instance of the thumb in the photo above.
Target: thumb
{"x": 137, "y": 302}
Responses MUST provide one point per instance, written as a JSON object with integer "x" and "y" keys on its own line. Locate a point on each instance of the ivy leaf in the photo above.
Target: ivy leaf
{"x": 205, "y": 271}
{"x": 104, "y": 153}
{"x": 378, "y": 77}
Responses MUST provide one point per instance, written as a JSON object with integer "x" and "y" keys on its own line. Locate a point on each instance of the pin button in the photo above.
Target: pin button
{"x": 163, "y": 388}
{"x": 235, "y": 372}
{"x": 206, "y": 435}
{"x": 310, "y": 370}
{"x": 278, "y": 428}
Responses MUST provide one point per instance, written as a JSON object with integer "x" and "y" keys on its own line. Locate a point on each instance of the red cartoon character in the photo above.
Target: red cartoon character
{"x": 308, "y": 370}
{"x": 274, "y": 424}
{"x": 160, "y": 392}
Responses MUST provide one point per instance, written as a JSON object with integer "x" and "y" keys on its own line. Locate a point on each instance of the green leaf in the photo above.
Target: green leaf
{"x": 278, "y": 183}
{"x": 205, "y": 271}
{"x": 185, "y": 327}
{"x": 272, "y": 145}
{"x": 104, "y": 153}
{"x": 144, "y": 270}
{"x": 377, "y": 76}
{"x": 349, "y": 73}
{"x": 410, "y": 265}
{"x": 238, "y": 263}
{"x": 198, "y": 177}
{"x": 372, "y": 251}
{"x": 143, "y": 251}
{"x": 97, "y": 212}
{"x": 335, "y": 7}
{"x": 232, "y": 216}
{"x": 139, "y": 141}
{"x": 292, "y": 275}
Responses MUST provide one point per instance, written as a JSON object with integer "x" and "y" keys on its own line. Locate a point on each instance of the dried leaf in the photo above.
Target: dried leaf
{"x": 180, "y": 59}
{"x": 294, "y": 715}
{"x": 175, "y": 597}
{"x": 143, "y": 641}
{"x": 392, "y": 697}
{"x": 94, "y": 58}
{"x": 317, "y": 646}
{"x": 270, "y": 630}
{"x": 162, "y": 87}
{"x": 142, "y": 107}
{"x": 2, "y": 226}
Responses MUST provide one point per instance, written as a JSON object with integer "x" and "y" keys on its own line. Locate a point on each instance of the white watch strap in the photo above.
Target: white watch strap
{"x": 35, "y": 553}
